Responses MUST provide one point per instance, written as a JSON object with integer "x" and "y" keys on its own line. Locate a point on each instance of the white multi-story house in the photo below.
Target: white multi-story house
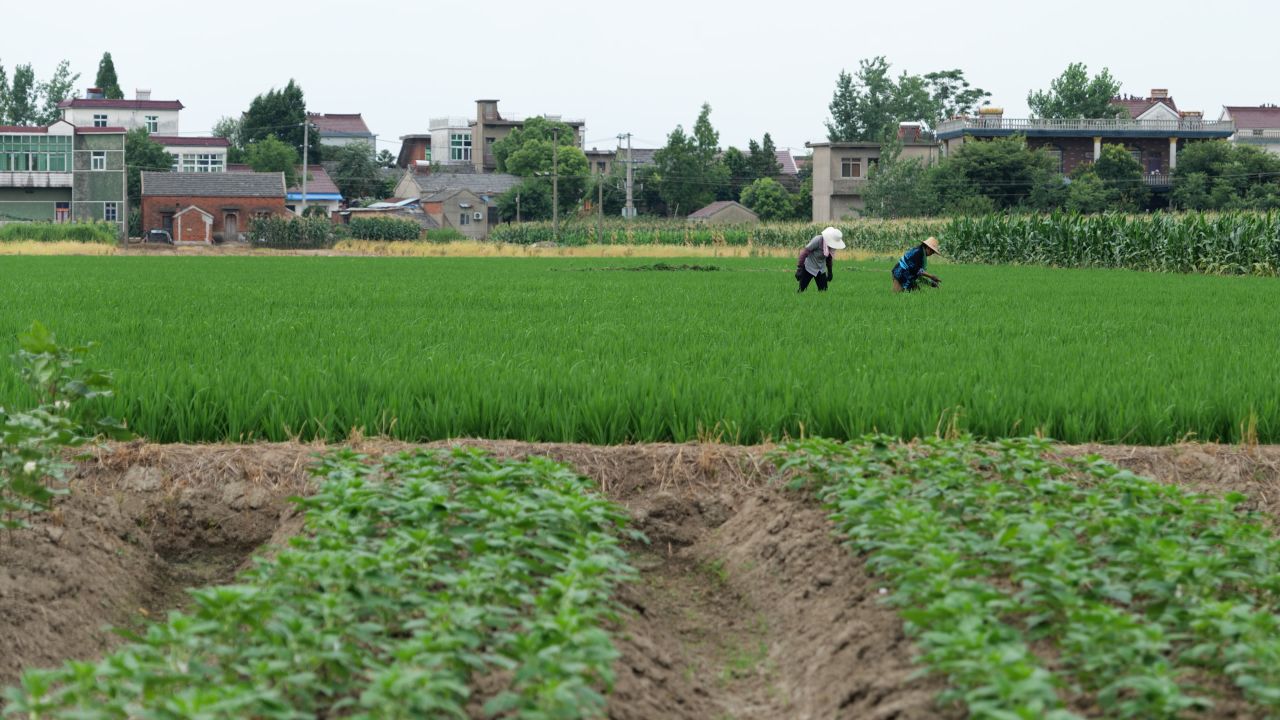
{"x": 159, "y": 117}
{"x": 196, "y": 154}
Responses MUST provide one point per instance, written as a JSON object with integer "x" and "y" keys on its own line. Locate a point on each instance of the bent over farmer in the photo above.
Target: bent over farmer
{"x": 815, "y": 259}
{"x": 910, "y": 267}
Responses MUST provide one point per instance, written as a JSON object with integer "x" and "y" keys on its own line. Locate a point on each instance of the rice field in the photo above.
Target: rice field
{"x": 579, "y": 349}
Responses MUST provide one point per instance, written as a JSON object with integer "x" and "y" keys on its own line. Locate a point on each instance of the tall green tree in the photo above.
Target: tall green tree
{"x": 4, "y": 96}
{"x": 386, "y": 159}
{"x": 689, "y": 171}
{"x": 29, "y": 101}
{"x": 356, "y": 172}
{"x": 535, "y": 152}
{"x": 764, "y": 158}
{"x": 24, "y": 97}
{"x": 280, "y": 113}
{"x": 144, "y": 154}
{"x": 1121, "y": 176}
{"x": 106, "y": 79}
{"x": 739, "y": 170}
{"x": 59, "y": 87}
{"x": 869, "y": 105}
{"x": 229, "y": 128}
{"x": 271, "y": 154}
{"x": 1074, "y": 94}
{"x": 768, "y": 199}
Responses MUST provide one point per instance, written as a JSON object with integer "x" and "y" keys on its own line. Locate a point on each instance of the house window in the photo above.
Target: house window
{"x": 109, "y": 211}
{"x": 98, "y": 161}
{"x": 202, "y": 163}
{"x": 153, "y": 123}
{"x": 851, "y": 168}
{"x": 1137, "y": 156}
{"x": 600, "y": 166}
{"x": 99, "y": 120}
{"x": 1257, "y": 132}
{"x": 464, "y": 218}
{"x": 1056, "y": 155}
{"x": 459, "y": 146}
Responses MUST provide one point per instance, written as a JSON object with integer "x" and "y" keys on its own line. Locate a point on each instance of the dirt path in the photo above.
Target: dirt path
{"x": 746, "y": 606}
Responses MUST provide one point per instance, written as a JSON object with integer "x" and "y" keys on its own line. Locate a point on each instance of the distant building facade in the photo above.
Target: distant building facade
{"x": 159, "y": 117}
{"x": 725, "y": 212}
{"x": 209, "y": 207}
{"x": 63, "y": 173}
{"x": 1258, "y": 126}
{"x": 338, "y": 129}
{"x": 840, "y": 171}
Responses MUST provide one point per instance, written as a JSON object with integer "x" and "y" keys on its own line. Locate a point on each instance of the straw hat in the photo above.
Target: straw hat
{"x": 932, "y": 244}
{"x": 834, "y": 238}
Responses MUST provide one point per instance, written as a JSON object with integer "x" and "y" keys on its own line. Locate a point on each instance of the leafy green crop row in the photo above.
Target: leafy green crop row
{"x": 85, "y": 232}
{"x": 539, "y": 349}
{"x": 1039, "y": 585}
{"x": 415, "y": 578}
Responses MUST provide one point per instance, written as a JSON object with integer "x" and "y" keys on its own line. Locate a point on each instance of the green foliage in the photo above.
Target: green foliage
{"x": 1219, "y": 175}
{"x": 292, "y": 232}
{"x": 106, "y": 79}
{"x": 897, "y": 187}
{"x": 385, "y": 159}
{"x": 1073, "y": 94}
{"x": 384, "y": 228}
{"x": 32, "y": 442}
{"x": 143, "y": 154}
{"x": 414, "y": 578}
{"x": 28, "y": 101}
{"x": 1121, "y": 176}
{"x": 873, "y": 236}
{"x": 90, "y": 232}
{"x": 24, "y": 101}
{"x": 280, "y": 113}
{"x": 404, "y": 347}
{"x": 135, "y": 222}
{"x": 768, "y": 199}
{"x": 1086, "y": 193}
{"x": 533, "y": 153}
{"x": 357, "y": 172}
{"x": 687, "y": 171}
{"x": 270, "y": 154}
{"x": 1133, "y": 590}
{"x": 229, "y": 128}
{"x": 870, "y": 105}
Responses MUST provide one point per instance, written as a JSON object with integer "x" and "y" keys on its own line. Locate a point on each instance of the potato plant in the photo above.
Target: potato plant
{"x": 998, "y": 550}
{"x": 416, "y": 576}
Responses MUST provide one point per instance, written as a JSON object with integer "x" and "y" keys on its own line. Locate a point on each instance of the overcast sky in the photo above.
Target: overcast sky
{"x": 642, "y": 67}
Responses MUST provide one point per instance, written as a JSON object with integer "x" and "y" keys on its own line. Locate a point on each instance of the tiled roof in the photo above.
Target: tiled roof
{"x": 1136, "y": 106}
{"x": 716, "y": 207}
{"x": 1249, "y": 118}
{"x": 639, "y": 156}
{"x": 100, "y": 131}
{"x": 33, "y": 129}
{"x": 121, "y": 104}
{"x": 339, "y": 124}
{"x": 227, "y": 184}
{"x": 787, "y": 162}
{"x": 318, "y": 183}
{"x": 179, "y": 141}
{"x": 490, "y": 184}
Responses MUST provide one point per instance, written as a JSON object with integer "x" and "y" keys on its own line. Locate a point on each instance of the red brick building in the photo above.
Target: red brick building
{"x": 209, "y": 207}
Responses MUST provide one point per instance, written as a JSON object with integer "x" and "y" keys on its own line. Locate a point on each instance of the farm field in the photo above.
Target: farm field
{"x": 584, "y": 350}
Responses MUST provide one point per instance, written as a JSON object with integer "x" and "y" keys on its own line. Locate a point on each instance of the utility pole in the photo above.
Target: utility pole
{"x": 628, "y": 210}
{"x": 517, "y": 208}
{"x": 599, "y": 207}
{"x": 555, "y": 183}
{"x": 306, "y": 141}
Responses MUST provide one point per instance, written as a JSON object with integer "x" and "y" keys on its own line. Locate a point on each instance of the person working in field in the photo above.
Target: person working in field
{"x": 815, "y": 259}
{"x": 910, "y": 268}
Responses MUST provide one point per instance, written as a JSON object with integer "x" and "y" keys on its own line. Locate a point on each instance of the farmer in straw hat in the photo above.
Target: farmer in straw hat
{"x": 910, "y": 267}
{"x": 815, "y": 259}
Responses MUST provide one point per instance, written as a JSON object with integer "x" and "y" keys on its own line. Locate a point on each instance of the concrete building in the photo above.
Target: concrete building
{"x": 159, "y": 117}
{"x": 1153, "y": 132}
{"x": 466, "y": 201}
{"x": 601, "y": 161}
{"x": 63, "y": 173}
{"x": 725, "y": 212}
{"x": 490, "y": 127}
{"x": 1258, "y": 126}
{"x": 195, "y": 154}
{"x": 338, "y": 129}
{"x": 209, "y": 207}
{"x": 840, "y": 171}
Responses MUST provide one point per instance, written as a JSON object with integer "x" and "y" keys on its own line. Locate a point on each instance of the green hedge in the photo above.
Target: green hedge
{"x": 384, "y": 228}
{"x": 91, "y": 232}
{"x": 292, "y": 233}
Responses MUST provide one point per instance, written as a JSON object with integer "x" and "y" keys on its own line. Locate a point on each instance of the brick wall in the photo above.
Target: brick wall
{"x": 240, "y": 210}
{"x": 191, "y": 227}
{"x": 1077, "y": 151}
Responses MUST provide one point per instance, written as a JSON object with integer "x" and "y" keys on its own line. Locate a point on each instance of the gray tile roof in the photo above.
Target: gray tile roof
{"x": 484, "y": 184}
{"x": 226, "y": 184}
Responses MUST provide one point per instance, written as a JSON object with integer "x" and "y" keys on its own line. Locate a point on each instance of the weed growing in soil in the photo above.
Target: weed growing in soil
{"x": 997, "y": 550}
{"x": 32, "y": 441}
{"x": 418, "y": 579}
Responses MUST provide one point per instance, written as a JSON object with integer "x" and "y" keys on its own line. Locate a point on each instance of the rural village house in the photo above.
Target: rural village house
{"x": 63, "y": 173}
{"x": 725, "y": 212}
{"x": 1258, "y": 126}
{"x": 840, "y": 170}
{"x": 338, "y": 129}
{"x": 465, "y": 201}
{"x": 209, "y": 207}
{"x": 458, "y": 141}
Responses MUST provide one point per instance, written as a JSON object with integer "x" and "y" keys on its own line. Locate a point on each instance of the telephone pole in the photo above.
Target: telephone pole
{"x": 306, "y": 140}
{"x": 555, "y": 183}
{"x": 599, "y": 207}
{"x": 628, "y": 210}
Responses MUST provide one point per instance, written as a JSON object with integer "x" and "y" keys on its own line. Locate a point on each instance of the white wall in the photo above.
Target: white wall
{"x": 128, "y": 119}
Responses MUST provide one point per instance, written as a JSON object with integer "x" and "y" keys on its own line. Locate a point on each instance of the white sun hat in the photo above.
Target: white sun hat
{"x": 834, "y": 238}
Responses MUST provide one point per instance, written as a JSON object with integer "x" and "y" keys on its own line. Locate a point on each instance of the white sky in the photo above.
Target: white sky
{"x": 639, "y": 67}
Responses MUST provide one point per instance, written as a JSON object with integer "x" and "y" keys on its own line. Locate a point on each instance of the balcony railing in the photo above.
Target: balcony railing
{"x": 1258, "y": 136}
{"x": 20, "y": 179}
{"x": 1085, "y": 125}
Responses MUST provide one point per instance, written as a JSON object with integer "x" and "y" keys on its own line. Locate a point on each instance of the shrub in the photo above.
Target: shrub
{"x": 90, "y": 232}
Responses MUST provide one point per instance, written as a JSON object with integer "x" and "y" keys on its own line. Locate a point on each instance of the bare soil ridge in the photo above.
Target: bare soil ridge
{"x": 746, "y": 606}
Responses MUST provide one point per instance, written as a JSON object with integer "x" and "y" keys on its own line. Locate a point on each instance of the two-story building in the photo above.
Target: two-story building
{"x": 1258, "y": 126}
{"x": 159, "y": 117}
{"x": 338, "y": 129}
{"x": 1153, "y": 132}
{"x": 456, "y": 142}
{"x": 63, "y": 173}
{"x": 196, "y": 154}
{"x": 840, "y": 170}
